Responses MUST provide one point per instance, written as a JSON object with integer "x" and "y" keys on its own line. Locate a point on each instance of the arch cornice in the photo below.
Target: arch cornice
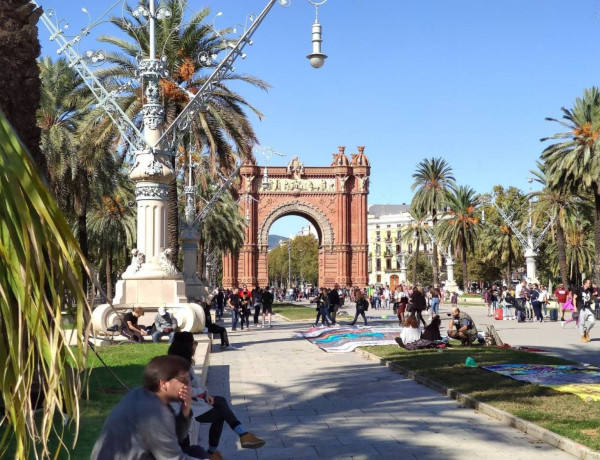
{"x": 297, "y": 207}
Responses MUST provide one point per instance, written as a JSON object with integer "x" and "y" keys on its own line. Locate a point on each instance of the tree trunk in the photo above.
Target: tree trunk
{"x": 561, "y": 246}
{"x": 415, "y": 263}
{"x": 465, "y": 272}
{"x": 20, "y": 74}
{"x": 596, "y": 273}
{"x": 82, "y": 237}
{"x": 435, "y": 267}
{"x": 109, "y": 284}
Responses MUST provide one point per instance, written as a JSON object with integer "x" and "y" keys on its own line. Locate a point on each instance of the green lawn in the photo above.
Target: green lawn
{"x": 127, "y": 361}
{"x": 562, "y": 413}
{"x": 295, "y": 312}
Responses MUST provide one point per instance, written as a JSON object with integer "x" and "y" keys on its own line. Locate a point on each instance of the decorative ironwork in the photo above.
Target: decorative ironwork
{"x": 151, "y": 192}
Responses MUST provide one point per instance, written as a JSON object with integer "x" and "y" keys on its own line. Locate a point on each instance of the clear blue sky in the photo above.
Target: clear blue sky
{"x": 468, "y": 80}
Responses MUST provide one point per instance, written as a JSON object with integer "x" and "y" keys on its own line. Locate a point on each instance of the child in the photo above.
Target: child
{"x": 454, "y": 299}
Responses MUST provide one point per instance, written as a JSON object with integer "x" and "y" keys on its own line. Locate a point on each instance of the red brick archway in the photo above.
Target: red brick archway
{"x": 333, "y": 198}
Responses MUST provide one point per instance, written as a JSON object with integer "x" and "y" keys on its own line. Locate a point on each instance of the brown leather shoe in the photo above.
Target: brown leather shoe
{"x": 584, "y": 338}
{"x": 249, "y": 441}
{"x": 216, "y": 455}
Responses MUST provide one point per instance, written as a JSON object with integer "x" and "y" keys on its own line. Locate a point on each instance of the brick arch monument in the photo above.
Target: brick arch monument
{"x": 332, "y": 198}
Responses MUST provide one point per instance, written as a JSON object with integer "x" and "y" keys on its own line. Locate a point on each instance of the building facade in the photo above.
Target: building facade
{"x": 385, "y": 225}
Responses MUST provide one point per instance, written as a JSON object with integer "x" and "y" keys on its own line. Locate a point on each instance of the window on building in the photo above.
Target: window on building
{"x": 398, "y": 248}
{"x": 399, "y": 235}
{"x": 388, "y": 264}
{"x": 379, "y": 278}
{"x": 389, "y": 235}
{"x": 377, "y": 236}
{"x": 410, "y": 248}
{"x": 425, "y": 247}
{"x": 378, "y": 265}
{"x": 370, "y": 265}
{"x": 377, "y": 249}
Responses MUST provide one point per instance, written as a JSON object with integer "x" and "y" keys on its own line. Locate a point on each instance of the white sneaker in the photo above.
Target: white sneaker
{"x": 230, "y": 347}
{"x": 562, "y": 324}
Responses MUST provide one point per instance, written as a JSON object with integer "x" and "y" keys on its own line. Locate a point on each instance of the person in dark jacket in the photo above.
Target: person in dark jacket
{"x": 362, "y": 305}
{"x": 419, "y": 304}
{"x": 334, "y": 302}
{"x": 267, "y": 305}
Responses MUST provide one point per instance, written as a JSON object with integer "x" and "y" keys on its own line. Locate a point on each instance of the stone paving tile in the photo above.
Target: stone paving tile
{"x": 305, "y": 403}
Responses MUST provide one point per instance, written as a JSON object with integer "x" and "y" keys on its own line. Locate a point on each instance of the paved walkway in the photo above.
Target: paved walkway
{"x": 310, "y": 404}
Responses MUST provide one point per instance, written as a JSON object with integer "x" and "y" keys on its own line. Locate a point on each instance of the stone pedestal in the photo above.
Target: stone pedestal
{"x": 144, "y": 291}
{"x": 190, "y": 316}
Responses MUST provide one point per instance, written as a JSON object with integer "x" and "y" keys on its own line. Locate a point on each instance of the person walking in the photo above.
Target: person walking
{"x": 256, "y": 302}
{"x": 245, "y": 307}
{"x": 419, "y": 304}
{"x": 267, "y": 305}
{"x": 334, "y": 302}
{"x": 233, "y": 302}
{"x": 323, "y": 308}
{"x": 583, "y": 299}
{"x": 362, "y": 305}
{"x": 435, "y": 300}
{"x": 536, "y": 304}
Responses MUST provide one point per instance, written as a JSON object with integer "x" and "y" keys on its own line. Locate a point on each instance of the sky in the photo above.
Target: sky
{"x": 470, "y": 81}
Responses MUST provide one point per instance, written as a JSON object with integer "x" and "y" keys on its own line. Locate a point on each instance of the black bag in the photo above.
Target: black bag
{"x": 521, "y": 316}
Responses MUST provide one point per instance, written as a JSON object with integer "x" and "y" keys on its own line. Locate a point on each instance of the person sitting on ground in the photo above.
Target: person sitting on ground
{"x": 130, "y": 328}
{"x": 429, "y": 338}
{"x": 166, "y": 324}
{"x": 207, "y": 408}
{"x": 411, "y": 332}
{"x": 462, "y": 327}
{"x": 432, "y": 330}
{"x": 213, "y": 328}
{"x": 143, "y": 424}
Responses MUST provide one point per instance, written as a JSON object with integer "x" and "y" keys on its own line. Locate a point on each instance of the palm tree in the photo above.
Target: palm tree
{"x": 40, "y": 273}
{"x": 19, "y": 73}
{"x": 414, "y": 233}
{"x": 499, "y": 244}
{"x": 78, "y": 166}
{"x": 432, "y": 180}
{"x": 461, "y": 227}
{"x": 573, "y": 164}
{"x": 112, "y": 227}
{"x": 558, "y": 203}
{"x": 222, "y": 123}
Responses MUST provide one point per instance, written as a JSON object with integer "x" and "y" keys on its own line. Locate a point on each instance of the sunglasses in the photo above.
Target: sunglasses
{"x": 184, "y": 380}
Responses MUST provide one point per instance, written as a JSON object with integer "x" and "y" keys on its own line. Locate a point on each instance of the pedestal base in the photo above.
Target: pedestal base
{"x": 190, "y": 316}
{"x": 152, "y": 292}
{"x": 450, "y": 287}
{"x": 196, "y": 289}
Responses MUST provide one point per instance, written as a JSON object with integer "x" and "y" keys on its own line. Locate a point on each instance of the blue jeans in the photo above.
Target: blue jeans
{"x": 435, "y": 306}
{"x": 507, "y": 311}
{"x": 359, "y": 312}
{"x": 158, "y": 334}
{"x": 234, "y": 318}
{"x": 324, "y": 314}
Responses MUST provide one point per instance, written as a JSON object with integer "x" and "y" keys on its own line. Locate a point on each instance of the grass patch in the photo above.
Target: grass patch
{"x": 127, "y": 362}
{"x": 294, "y": 312}
{"x": 563, "y": 413}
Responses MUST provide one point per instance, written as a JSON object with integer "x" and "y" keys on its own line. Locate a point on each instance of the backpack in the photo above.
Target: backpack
{"x": 521, "y": 316}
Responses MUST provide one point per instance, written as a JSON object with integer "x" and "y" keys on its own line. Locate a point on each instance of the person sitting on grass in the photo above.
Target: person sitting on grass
{"x": 462, "y": 327}
{"x": 411, "y": 332}
{"x": 207, "y": 408}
